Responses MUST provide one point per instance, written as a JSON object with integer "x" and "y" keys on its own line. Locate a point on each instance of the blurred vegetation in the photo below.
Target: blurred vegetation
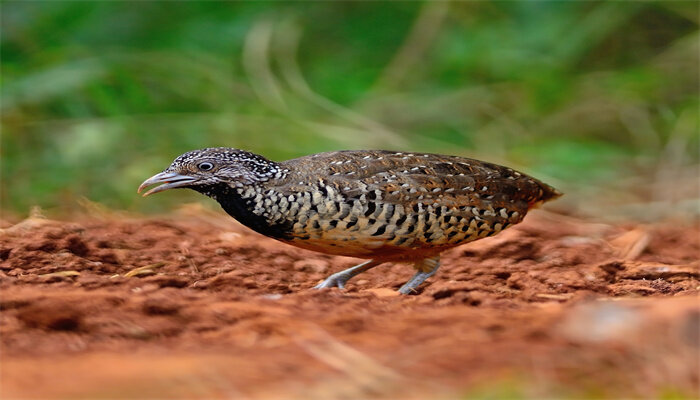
{"x": 597, "y": 98}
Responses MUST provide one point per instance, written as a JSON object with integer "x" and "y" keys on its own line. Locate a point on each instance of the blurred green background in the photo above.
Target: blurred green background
{"x": 600, "y": 99}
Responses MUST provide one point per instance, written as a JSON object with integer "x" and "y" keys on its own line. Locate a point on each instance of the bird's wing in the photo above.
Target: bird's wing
{"x": 459, "y": 180}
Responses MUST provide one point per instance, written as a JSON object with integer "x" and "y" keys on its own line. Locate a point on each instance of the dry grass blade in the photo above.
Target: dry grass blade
{"x": 61, "y": 274}
{"x": 362, "y": 374}
{"x": 144, "y": 271}
{"x": 630, "y": 245}
{"x": 549, "y": 296}
{"x": 424, "y": 31}
{"x": 286, "y": 50}
{"x": 99, "y": 211}
{"x": 257, "y": 64}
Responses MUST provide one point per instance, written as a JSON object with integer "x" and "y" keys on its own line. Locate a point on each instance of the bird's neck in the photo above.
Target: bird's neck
{"x": 247, "y": 205}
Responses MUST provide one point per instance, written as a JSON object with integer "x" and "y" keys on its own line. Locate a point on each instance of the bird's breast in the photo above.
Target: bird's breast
{"x": 253, "y": 207}
{"x": 323, "y": 218}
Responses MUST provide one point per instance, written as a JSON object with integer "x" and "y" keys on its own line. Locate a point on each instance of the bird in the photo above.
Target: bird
{"x": 378, "y": 205}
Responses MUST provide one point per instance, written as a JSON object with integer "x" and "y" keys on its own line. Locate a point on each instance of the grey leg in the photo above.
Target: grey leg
{"x": 339, "y": 279}
{"x": 420, "y": 276}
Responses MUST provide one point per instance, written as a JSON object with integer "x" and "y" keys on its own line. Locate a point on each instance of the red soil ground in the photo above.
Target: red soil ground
{"x": 195, "y": 306}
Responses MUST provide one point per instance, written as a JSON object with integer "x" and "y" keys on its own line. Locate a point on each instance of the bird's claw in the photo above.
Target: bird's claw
{"x": 407, "y": 290}
{"x": 332, "y": 281}
{"x": 339, "y": 279}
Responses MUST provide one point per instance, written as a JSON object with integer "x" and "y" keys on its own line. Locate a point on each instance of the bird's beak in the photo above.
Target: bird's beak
{"x": 170, "y": 179}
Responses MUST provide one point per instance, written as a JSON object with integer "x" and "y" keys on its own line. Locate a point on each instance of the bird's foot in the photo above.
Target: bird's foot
{"x": 336, "y": 280}
{"x": 420, "y": 277}
{"x": 339, "y": 279}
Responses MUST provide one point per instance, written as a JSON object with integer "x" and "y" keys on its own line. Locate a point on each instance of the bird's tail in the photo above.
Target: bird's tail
{"x": 547, "y": 193}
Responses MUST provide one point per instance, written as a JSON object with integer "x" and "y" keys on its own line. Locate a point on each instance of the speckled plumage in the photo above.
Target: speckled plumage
{"x": 379, "y": 205}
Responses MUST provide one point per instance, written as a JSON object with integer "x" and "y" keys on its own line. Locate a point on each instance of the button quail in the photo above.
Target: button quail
{"x": 384, "y": 206}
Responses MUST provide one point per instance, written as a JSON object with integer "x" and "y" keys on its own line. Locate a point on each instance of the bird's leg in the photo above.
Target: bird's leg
{"x": 429, "y": 264}
{"x": 340, "y": 278}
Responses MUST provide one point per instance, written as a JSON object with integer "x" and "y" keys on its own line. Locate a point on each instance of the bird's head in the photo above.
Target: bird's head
{"x": 205, "y": 169}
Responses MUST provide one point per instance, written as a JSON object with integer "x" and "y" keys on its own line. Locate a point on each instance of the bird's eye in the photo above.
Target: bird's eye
{"x": 205, "y": 166}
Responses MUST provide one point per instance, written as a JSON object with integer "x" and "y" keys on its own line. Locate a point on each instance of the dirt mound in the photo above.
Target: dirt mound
{"x": 197, "y": 306}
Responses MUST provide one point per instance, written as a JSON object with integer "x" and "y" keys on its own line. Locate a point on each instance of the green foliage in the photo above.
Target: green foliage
{"x": 97, "y": 96}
